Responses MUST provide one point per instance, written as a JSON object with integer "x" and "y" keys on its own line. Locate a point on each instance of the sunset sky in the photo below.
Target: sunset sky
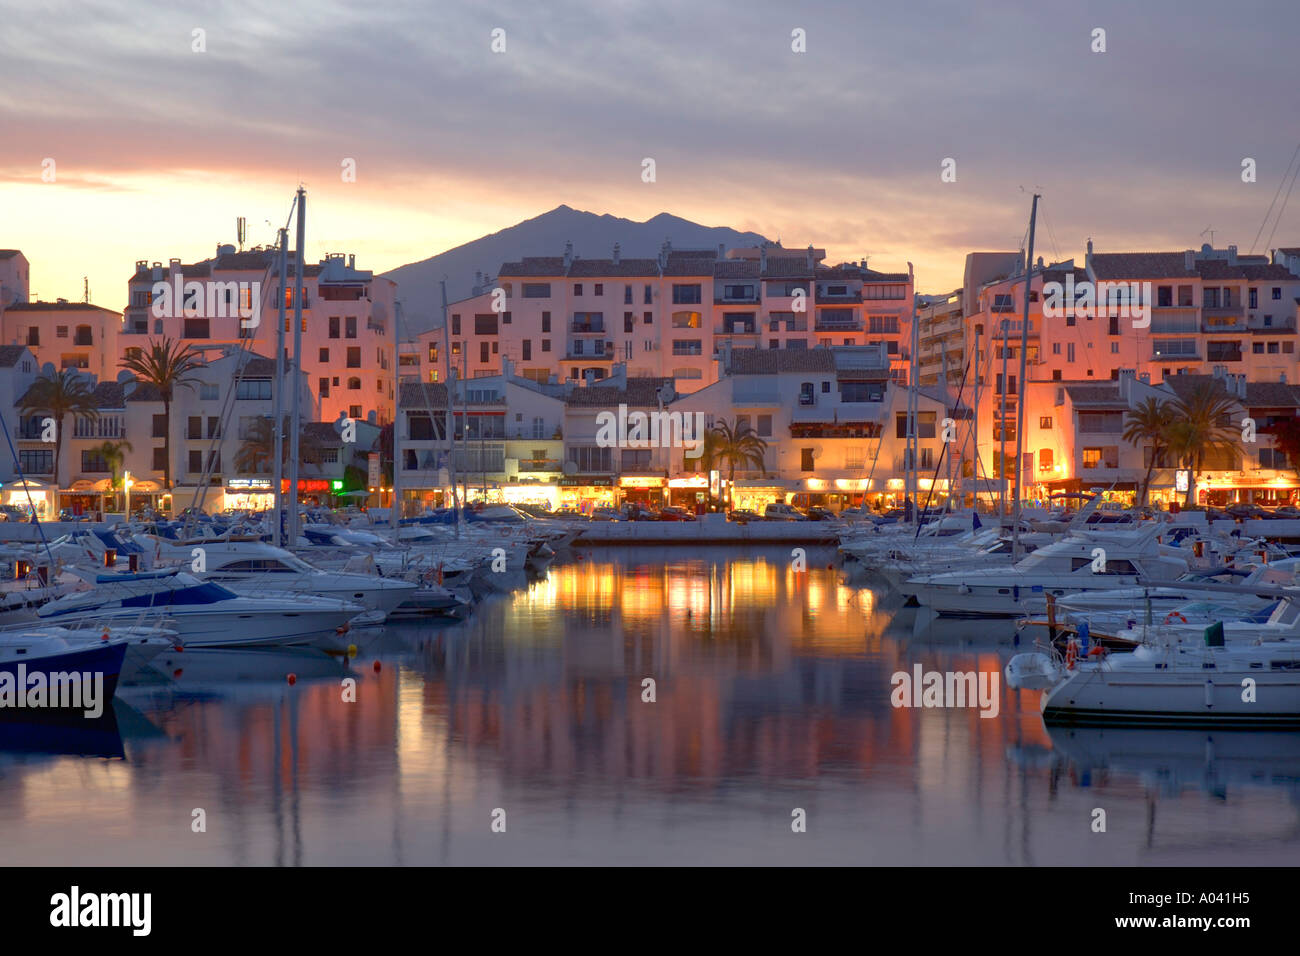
{"x": 158, "y": 148}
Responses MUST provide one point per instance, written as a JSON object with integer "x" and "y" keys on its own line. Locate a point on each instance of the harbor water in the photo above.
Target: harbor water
{"x": 654, "y": 706}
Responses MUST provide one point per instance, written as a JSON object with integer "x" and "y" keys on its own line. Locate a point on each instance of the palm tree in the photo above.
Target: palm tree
{"x": 735, "y": 443}
{"x": 1149, "y": 422}
{"x": 1201, "y": 426}
{"x": 58, "y": 395}
{"x": 257, "y": 452}
{"x": 166, "y": 366}
{"x": 114, "y": 454}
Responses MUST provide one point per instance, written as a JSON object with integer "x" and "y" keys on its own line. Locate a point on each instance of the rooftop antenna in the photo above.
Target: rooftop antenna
{"x": 1211, "y": 231}
{"x": 241, "y": 230}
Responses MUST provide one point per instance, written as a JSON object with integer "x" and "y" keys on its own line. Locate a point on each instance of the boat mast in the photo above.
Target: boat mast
{"x": 394, "y": 513}
{"x": 450, "y": 422}
{"x": 277, "y": 421}
{"x": 295, "y": 400}
{"x": 1020, "y": 403}
{"x": 910, "y": 482}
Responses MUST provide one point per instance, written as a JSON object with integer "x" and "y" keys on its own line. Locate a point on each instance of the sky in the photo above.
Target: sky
{"x": 157, "y": 147}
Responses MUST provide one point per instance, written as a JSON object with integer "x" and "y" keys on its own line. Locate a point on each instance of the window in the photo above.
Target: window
{"x": 537, "y": 290}
{"x": 805, "y": 459}
{"x": 1045, "y": 422}
{"x": 354, "y": 357}
{"x": 92, "y": 460}
{"x": 252, "y": 389}
{"x": 686, "y": 294}
{"x": 36, "y": 461}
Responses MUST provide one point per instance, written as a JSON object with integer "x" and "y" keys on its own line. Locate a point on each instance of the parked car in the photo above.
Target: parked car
{"x": 818, "y": 513}
{"x": 743, "y": 516}
{"x": 782, "y": 512}
{"x": 674, "y": 513}
{"x": 1244, "y": 509}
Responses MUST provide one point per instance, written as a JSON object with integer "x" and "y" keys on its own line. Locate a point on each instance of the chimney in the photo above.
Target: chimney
{"x": 618, "y": 254}
{"x": 568, "y": 255}
{"x": 1189, "y": 261}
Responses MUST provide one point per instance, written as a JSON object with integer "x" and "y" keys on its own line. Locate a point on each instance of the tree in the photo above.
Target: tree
{"x": 1149, "y": 423}
{"x": 736, "y": 444}
{"x": 1286, "y": 439}
{"x": 1201, "y": 426}
{"x": 58, "y": 395}
{"x": 256, "y": 453}
{"x": 167, "y": 366}
{"x": 114, "y": 455}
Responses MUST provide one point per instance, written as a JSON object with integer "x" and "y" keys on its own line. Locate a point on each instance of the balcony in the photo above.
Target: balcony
{"x": 1279, "y": 325}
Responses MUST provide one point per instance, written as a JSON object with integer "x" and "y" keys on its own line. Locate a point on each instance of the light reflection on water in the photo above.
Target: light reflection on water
{"x": 772, "y": 693}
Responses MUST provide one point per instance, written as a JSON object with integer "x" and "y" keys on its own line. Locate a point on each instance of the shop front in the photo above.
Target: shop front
{"x": 644, "y": 490}
{"x": 585, "y": 493}
{"x": 27, "y": 494}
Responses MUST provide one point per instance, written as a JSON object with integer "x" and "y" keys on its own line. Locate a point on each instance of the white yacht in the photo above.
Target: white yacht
{"x": 202, "y": 613}
{"x": 253, "y": 567}
{"x": 1086, "y": 561}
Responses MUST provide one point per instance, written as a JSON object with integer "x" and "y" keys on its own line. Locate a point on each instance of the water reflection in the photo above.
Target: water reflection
{"x": 771, "y": 692}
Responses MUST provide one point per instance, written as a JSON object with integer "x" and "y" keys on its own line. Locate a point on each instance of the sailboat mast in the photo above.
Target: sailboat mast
{"x": 450, "y": 424}
{"x": 1020, "y": 403}
{"x": 295, "y": 395}
{"x": 910, "y": 463}
{"x": 277, "y": 421}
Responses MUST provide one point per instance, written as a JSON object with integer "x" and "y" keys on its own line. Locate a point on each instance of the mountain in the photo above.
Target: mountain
{"x": 593, "y": 237}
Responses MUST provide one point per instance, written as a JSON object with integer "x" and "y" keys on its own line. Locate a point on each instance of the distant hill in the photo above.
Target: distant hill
{"x": 593, "y": 237}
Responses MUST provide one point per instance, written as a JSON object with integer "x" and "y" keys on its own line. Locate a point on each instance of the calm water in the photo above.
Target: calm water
{"x": 772, "y": 694}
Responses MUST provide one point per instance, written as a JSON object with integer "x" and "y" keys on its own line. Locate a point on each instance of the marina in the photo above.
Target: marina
{"x": 773, "y": 691}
